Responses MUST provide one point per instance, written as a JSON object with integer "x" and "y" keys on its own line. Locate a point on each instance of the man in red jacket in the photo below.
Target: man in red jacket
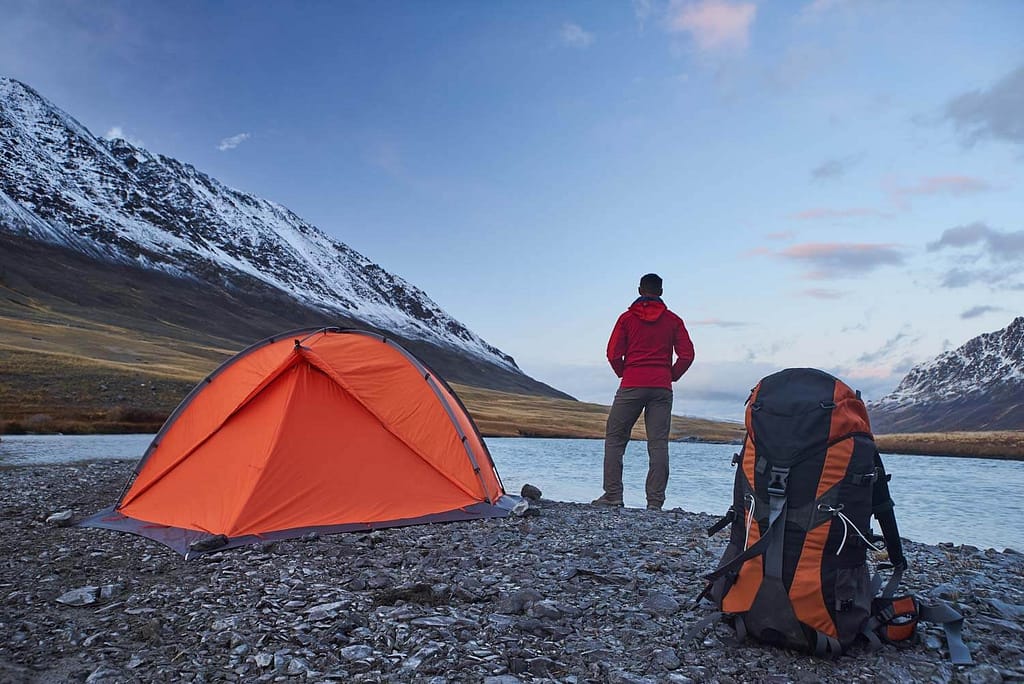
{"x": 640, "y": 352}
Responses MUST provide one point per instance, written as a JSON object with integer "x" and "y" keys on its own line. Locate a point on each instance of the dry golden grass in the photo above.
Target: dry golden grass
{"x": 499, "y": 414}
{"x": 94, "y": 343}
{"x": 49, "y": 392}
{"x": 1003, "y": 444}
{"x": 59, "y": 374}
{"x": 83, "y": 377}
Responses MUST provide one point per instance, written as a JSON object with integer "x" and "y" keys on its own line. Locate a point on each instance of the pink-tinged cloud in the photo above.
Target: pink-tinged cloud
{"x": 714, "y": 25}
{"x": 819, "y": 213}
{"x": 822, "y": 293}
{"x": 818, "y": 7}
{"x": 782, "y": 235}
{"x": 944, "y": 185}
{"x": 840, "y": 260}
{"x": 757, "y": 251}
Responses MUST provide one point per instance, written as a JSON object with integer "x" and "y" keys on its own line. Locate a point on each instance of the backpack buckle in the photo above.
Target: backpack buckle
{"x": 778, "y": 482}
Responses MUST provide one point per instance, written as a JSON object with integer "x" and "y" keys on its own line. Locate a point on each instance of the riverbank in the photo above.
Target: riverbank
{"x": 585, "y": 421}
{"x": 1005, "y": 444}
{"x": 576, "y": 594}
{"x": 55, "y": 393}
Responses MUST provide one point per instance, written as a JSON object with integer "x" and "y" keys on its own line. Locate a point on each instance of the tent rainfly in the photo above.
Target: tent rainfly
{"x": 325, "y": 430}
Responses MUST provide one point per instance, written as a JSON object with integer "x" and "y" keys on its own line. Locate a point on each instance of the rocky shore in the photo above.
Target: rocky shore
{"x": 574, "y": 594}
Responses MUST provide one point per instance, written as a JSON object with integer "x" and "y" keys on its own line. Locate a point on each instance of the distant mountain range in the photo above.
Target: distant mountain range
{"x": 979, "y": 386}
{"x": 81, "y": 217}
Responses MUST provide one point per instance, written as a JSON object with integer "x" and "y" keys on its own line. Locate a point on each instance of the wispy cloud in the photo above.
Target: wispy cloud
{"x": 993, "y": 277}
{"x": 996, "y": 113}
{"x": 575, "y": 36}
{"x": 719, "y": 323}
{"x": 714, "y": 25}
{"x": 1000, "y": 246}
{"x": 799, "y": 64}
{"x": 885, "y": 351}
{"x": 995, "y": 257}
{"x": 981, "y": 310}
{"x": 385, "y": 155}
{"x": 118, "y": 133}
{"x": 833, "y": 168}
{"x": 899, "y": 195}
{"x": 819, "y": 213}
{"x": 233, "y": 142}
{"x": 820, "y": 7}
{"x": 782, "y": 235}
{"x": 719, "y": 388}
{"x": 955, "y": 186}
{"x": 875, "y": 380}
{"x": 841, "y": 260}
{"x": 822, "y": 293}
{"x": 642, "y": 10}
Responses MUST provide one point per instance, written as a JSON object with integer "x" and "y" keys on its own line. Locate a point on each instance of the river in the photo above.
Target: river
{"x": 938, "y": 499}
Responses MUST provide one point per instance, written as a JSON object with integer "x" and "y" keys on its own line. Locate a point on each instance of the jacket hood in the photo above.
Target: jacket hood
{"x": 647, "y": 309}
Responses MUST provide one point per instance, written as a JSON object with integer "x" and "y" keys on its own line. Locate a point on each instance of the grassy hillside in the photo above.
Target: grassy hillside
{"x": 56, "y": 392}
{"x": 77, "y": 376}
{"x": 53, "y": 299}
{"x": 499, "y": 414}
{"x": 59, "y": 373}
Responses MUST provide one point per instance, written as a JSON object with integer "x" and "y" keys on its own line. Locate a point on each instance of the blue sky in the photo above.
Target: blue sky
{"x": 828, "y": 183}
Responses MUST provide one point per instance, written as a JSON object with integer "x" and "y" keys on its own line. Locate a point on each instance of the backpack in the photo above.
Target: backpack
{"x": 808, "y": 479}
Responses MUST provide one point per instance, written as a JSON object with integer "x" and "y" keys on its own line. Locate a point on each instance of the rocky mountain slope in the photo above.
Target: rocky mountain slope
{"x": 81, "y": 217}
{"x": 979, "y": 386}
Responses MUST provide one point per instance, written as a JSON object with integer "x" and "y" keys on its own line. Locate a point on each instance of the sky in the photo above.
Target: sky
{"x": 829, "y": 183}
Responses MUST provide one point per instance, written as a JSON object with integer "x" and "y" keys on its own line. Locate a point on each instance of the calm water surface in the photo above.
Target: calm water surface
{"x": 960, "y": 500}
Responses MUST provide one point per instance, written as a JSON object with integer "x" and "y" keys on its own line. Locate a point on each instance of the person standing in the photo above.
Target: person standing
{"x": 640, "y": 352}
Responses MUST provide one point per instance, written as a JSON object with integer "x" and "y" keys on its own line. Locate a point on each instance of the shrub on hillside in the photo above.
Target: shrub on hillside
{"x": 132, "y": 415}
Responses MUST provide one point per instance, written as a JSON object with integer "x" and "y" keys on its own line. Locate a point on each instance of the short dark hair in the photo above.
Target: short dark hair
{"x": 651, "y": 283}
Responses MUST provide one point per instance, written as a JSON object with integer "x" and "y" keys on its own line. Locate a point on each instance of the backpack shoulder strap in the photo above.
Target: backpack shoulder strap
{"x": 882, "y": 509}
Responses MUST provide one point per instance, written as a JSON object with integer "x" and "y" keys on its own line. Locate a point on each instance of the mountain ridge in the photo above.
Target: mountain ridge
{"x": 977, "y": 386}
{"x": 117, "y": 203}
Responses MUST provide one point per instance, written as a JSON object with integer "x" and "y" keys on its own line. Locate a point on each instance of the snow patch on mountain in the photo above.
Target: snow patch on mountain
{"x": 988, "y": 362}
{"x": 120, "y": 202}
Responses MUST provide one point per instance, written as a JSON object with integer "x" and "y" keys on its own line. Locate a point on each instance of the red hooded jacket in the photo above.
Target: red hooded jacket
{"x": 640, "y": 348}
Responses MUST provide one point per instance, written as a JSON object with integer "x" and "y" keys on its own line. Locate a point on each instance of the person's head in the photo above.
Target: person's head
{"x": 650, "y": 285}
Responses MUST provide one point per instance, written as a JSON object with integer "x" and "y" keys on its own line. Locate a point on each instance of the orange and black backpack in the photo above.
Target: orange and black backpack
{"x": 808, "y": 479}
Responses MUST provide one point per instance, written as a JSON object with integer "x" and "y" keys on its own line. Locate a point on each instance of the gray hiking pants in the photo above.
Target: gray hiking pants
{"x": 656, "y": 405}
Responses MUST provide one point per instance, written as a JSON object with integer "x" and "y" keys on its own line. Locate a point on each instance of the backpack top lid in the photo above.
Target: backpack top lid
{"x": 800, "y": 409}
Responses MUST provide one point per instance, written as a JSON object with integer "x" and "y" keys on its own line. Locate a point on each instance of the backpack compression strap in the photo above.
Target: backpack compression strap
{"x": 952, "y": 622}
{"x": 895, "y": 619}
{"x": 771, "y": 540}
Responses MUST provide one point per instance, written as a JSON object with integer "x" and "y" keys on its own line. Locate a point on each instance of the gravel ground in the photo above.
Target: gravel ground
{"x": 574, "y": 594}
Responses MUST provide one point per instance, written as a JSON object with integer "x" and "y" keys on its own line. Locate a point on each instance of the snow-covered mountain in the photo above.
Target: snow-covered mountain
{"x": 979, "y": 386}
{"x": 119, "y": 203}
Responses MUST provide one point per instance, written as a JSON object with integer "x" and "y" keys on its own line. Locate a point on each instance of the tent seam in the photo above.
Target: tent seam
{"x": 315, "y": 361}
{"x": 280, "y": 370}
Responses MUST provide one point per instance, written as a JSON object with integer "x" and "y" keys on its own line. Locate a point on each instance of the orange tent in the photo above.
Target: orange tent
{"x": 325, "y": 430}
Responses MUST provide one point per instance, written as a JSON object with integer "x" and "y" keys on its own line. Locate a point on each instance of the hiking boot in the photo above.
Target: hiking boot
{"x": 653, "y": 507}
{"x": 606, "y": 500}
